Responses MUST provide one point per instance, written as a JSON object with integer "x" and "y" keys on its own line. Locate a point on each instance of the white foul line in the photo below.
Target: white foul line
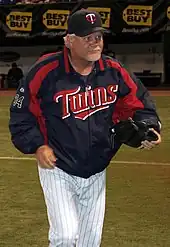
{"x": 16, "y": 158}
{"x": 112, "y": 162}
{"x": 140, "y": 163}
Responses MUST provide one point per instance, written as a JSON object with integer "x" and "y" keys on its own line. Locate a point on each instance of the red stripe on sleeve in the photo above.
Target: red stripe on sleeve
{"x": 46, "y": 56}
{"x": 34, "y": 87}
{"x": 129, "y": 104}
{"x": 35, "y": 84}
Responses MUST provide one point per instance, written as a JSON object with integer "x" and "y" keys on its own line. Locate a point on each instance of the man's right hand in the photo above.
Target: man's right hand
{"x": 45, "y": 157}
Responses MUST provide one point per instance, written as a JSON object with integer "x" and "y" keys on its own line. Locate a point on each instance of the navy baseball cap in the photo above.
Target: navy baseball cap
{"x": 84, "y": 22}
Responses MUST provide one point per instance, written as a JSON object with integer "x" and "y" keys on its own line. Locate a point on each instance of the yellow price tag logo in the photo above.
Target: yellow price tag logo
{"x": 56, "y": 19}
{"x": 138, "y": 15}
{"x": 19, "y": 21}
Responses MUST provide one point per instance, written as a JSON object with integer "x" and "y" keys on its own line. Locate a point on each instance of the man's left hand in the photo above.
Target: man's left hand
{"x": 149, "y": 145}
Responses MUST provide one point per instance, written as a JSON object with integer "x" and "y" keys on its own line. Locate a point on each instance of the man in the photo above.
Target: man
{"x": 14, "y": 75}
{"x": 64, "y": 112}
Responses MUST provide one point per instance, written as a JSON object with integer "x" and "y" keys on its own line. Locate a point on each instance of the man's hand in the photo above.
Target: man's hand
{"x": 45, "y": 157}
{"x": 149, "y": 145}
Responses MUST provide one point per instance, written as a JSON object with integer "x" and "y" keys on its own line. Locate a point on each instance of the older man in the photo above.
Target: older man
{"x": 64, "y": 112}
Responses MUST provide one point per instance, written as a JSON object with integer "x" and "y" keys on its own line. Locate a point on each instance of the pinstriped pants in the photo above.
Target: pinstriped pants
{"x": 75, "y": 207}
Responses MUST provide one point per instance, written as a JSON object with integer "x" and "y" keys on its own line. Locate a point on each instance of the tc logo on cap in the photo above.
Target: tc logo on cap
{"x": 91, "y": 18}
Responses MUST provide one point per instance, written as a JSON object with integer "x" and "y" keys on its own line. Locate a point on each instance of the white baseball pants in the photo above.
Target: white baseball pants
{"x": 75, "y": 207}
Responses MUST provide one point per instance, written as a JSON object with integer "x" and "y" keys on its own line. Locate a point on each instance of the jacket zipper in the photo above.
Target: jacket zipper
{"x": 88, "y": 119}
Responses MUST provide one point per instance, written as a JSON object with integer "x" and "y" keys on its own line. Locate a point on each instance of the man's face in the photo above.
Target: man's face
{"x": 88, "y": 47}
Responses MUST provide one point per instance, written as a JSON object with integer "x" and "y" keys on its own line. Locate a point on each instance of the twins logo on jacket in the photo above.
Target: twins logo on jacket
{"x": 85, "y": 104}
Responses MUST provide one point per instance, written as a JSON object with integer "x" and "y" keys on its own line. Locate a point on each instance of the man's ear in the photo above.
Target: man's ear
{"x": 68, "y": 40}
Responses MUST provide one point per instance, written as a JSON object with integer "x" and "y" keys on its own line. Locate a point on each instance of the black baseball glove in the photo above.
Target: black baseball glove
{"x": 132, "y": 133}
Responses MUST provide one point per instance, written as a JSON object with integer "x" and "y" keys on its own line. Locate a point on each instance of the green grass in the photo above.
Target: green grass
{"x": 138, "y": 196}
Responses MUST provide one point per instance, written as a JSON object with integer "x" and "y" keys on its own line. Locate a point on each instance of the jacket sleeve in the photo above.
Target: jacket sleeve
{"x": 25, "y": 117}
{"x": 135, "y": 102}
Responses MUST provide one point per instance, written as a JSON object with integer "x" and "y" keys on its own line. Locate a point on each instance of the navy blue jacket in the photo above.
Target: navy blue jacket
{"x": 74, "y": 114}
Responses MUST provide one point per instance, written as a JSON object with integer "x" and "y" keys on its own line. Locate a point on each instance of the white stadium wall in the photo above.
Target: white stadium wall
{"x": 137, "y": 57}
{"x": 28, "y": 55}
{"x": 24, "y": 63}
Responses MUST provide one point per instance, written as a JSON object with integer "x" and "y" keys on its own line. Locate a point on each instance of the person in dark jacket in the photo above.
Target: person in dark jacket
{"x": 14, "y": 75}
{"x": 63, "y": 112}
